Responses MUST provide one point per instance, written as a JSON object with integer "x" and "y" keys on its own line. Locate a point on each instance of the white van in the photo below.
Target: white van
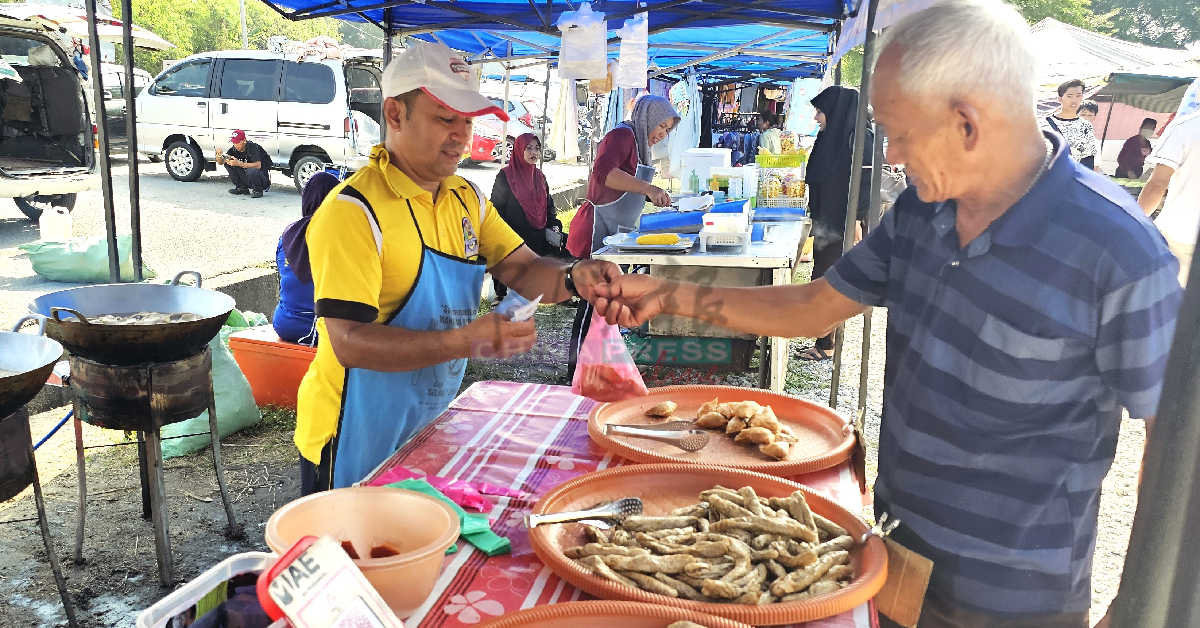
{"x": 305, "y": 114}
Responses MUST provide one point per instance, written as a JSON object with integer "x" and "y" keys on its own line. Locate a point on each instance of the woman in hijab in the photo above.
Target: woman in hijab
{"x": 294, "y": 320}
{"x": 618, "y": 190}
{"x": 621, "y": 173}
{"x": 522, "y": 197}
{"x": 828, "y": 179}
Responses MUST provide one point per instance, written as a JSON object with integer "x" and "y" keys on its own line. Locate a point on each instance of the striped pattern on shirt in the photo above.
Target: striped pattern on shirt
{"x": 1008, "y": 363}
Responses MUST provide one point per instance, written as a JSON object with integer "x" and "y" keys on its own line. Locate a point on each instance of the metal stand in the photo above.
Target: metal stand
{"x": 51, "y": 553}
{"x": 169, "y": 389}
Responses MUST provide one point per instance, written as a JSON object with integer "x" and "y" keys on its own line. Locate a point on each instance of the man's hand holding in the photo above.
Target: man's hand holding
{"x": 592, "y": 272}
{"x": 494, "y": 336}
{"x": 658, "y": 196}
{"x": 630, "y": 300}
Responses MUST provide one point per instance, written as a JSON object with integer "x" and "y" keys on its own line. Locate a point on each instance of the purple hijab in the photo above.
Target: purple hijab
{"x": 295, "y": 248}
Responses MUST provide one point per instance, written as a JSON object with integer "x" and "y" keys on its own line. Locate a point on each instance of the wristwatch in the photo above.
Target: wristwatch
{"x": 570, "y": 281}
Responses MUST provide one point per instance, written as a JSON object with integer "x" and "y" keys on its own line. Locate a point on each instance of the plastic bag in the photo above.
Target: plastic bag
{"x": 584, "y": 50}
{"x": 235, "y": 401}
{"x": 605, "y": 371}
{"x": 634, "y": 61}
{"x": 81, "y": 260}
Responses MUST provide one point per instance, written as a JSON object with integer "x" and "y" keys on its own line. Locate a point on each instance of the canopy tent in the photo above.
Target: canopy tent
{"x": 1157, "y": 88}
{"x": 854, "y": 31}
{"x": 1068, "y": 52}
{"x": 73, "y": 22}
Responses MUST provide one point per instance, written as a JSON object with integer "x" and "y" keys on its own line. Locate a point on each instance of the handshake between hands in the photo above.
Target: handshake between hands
{"x": 626, "y": 300}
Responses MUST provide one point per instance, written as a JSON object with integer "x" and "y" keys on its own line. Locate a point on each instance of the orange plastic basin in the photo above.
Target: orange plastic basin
{"x": 408, "y": 531}
{"x": 273, "y": 367}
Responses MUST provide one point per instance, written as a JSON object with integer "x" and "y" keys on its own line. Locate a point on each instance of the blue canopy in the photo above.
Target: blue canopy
{"x": 721, "y": 40}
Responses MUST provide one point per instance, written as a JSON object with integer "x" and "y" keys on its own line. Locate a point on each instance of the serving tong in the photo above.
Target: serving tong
{"x": 682, "y": 434}
{"x": 602, "y": 515}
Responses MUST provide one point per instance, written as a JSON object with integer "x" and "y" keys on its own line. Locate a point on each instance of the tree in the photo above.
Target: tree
{"x": 1167, "y": 23}
{"x": 1075, "y": 12}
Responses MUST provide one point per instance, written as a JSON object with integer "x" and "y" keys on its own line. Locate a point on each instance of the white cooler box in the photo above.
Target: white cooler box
{"x": 701, "y": 161}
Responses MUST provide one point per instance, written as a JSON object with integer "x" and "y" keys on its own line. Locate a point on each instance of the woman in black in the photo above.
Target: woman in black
{"x": 828, "y": 179}
{"x": 522, "y": 196}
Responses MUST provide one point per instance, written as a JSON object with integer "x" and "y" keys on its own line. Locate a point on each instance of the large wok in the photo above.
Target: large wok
{"x": 127, "y": 345}
{"x": 30, "y": 360}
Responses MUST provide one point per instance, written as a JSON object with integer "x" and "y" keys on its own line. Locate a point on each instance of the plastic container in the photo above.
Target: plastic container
{"x": 416, "y": 528}
{"x": 55, "y": 224}
{"x": 731, "y": 207}
{"x": 185, "y": 597}
{"x": 671, "y": 222}
{"x": 741, "y": 240}
{"x": 273, "y": 367}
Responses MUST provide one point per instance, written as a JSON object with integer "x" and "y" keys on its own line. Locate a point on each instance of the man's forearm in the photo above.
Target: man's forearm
{"x": 394, "y": 349}
{"x": 784, "y": 311}
{"x": 544, "y": 276}
{"x": 1151, "y": 196}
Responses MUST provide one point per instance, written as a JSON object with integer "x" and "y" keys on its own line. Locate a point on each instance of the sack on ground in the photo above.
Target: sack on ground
{"x": 81, "y": 260}
{"x": 235, "y": 401}
{"x": 605, "y": 371}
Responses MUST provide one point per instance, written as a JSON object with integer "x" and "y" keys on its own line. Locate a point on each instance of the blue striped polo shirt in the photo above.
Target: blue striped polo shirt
{"x": 1008, "y": 363}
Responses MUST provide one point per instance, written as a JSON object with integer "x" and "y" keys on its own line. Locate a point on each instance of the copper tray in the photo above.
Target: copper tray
{"x": 826, "y": 438}
{"x": 606, "y": 614}
{"x": 665, "y": 487}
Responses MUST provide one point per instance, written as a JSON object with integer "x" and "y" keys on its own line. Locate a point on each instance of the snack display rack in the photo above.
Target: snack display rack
{"x": 781, "y": 181}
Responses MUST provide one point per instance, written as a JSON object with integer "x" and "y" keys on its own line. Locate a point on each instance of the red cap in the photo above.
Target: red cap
{"x": 238, "y": 136}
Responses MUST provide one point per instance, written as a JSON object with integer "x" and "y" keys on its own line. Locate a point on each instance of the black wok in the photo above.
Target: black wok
{"x": 127, "y": 345}
{"x": 30, "y": 360}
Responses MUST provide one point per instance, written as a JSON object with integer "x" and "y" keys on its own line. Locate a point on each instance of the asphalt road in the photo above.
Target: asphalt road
{"x": 185, "y": 226}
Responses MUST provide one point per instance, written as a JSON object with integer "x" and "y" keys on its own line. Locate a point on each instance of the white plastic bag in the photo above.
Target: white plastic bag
{"x": 633, "y": 61}
{"x": 584, "y": 50}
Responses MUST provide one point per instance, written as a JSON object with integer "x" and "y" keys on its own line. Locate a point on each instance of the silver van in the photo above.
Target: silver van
{"x": 306, "y": 114}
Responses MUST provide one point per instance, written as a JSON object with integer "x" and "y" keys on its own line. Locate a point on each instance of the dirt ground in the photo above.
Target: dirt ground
{"x": 119, "y": 577}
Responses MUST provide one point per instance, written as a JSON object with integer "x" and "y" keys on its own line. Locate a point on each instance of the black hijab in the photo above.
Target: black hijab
{"x": 834, "y": 146}
{"x": 295, "y": 247}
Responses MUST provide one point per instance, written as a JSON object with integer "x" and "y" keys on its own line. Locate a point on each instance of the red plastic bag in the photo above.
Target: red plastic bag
{"x": 604, "y": 370}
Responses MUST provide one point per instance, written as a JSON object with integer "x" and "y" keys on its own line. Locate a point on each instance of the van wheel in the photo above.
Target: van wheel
{"x": 33, "y": 206}
{"x": 305, "y": 168}
{"x": 184, "y": 162}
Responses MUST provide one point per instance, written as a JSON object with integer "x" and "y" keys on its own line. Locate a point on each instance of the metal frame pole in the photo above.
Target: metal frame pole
{"x": 856, "y": 164}
{"x": 546, "y": 106}
{"x": 388, "y": 34}
{"x": 135, "y": 207}
{"x": 245, "y": 32}
{"x": 110, "y": 212}
{"x": 873, "y": 217}
{"x": 837, "y": 68}
{"x": 505, "y": 156}
{"x": 1159, "y": 584}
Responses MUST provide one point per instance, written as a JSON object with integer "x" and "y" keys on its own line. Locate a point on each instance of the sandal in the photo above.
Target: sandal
{"x": 815, "y": 354}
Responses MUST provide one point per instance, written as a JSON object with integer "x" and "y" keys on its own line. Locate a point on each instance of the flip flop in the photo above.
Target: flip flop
{"x": 814, "y": 354}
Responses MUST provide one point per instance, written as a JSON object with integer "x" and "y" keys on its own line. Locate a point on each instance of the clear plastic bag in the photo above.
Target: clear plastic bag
{"x": 605, "y": 371}
{"x": 584, "y": 50}
{"x": 633, "y": 60}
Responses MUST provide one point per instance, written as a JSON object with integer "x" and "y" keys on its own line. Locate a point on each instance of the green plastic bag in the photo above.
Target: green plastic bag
{"x": 81, "y": 260}
{"x": 235, "y": 401}
{"x": 475, "y": 528}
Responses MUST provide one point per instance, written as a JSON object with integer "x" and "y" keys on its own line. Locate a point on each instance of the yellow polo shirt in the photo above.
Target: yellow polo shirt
{"x": 365, "y": 252}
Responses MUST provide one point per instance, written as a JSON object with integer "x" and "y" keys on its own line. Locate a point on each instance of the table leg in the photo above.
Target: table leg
{"x": 779, "y": 346}
{"x": 144, "y": 474}
{"x": 81, "y": 471}
{"x": 158, "y": 502}
{"x": 51, "y": 553}
{"x": 764, "y": 362}
{"x": 232, "y": 531}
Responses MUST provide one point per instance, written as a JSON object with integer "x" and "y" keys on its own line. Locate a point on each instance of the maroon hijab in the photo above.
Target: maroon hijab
{"x": 528, "y": 184}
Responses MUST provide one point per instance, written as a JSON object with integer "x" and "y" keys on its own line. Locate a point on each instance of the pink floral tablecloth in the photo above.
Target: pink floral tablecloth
{"x": 531, "y": 438}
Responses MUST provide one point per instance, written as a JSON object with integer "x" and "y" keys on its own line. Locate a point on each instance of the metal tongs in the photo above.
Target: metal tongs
{"x": 881, "y": 529}
{"x": 601, "y": 515}
{"x": 682, "y": 434}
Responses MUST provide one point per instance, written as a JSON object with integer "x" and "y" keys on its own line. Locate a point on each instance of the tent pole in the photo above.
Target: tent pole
{"x": 110, "y": 212}
{"x": 837, "y": 68}
{"x": 1112, "y": 102}
{"x": 388, "y": 34}
{"x": 245, "y": 33}
{"x": 135, "y": 208}
{"x": 873, "y": 217}
{"x": 856, "y": 164}
{"x": 546, "y": 107}
{"x": 504, "y": 157}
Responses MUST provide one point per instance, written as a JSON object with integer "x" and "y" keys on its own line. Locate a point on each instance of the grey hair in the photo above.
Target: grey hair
{"x": 962, "y": 47}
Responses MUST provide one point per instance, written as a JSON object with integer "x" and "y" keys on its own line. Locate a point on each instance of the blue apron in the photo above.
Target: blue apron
{"x": 381, "y": 411}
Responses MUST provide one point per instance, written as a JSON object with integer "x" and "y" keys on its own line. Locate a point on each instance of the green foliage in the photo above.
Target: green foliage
{"x": 1168, "y": 23}
{"x": 1075, "y": 12}
{"x": 852, "y": 64}
{"x": 204, "y": 26}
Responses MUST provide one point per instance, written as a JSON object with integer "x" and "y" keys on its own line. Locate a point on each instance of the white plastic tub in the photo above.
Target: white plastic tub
{"x": 186, "y": 596}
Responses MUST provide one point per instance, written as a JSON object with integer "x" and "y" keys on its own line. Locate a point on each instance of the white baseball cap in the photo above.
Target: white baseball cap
{"x": 439, "y": 72}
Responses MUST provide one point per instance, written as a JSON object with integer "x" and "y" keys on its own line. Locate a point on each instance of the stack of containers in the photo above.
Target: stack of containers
{"x": 728, "y": 224}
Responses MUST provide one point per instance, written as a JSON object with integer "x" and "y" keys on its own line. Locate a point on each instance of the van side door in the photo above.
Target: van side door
{"x": 176, "y": 103}
{"x": 312, "y": 111}
{"x": 247, "y": 99}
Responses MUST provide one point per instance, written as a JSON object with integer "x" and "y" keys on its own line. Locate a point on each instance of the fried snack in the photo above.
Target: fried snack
{"x": 786, "y": 434}
{"x": 712, "y": 420}
{"x": 597, "y": 566}
{"x": 734, "y": 426}
{"x": 766, "y": 418}
{"x": 840, "y": 543}
{"x": 664, "y": 409}
{"x": 834, "y": 530}
{"x": 746, "y": 409}
{"x": 594, "y": 534}
{"x": 756, "y": 435}
{"x": 732, "y": 547}
{"x": 777, "y": 450}
{"x": 800, "y": 580}
{"x": 708, "y": 406}
{"x": 726, "y": 409}
{"x": 648, "y": 583}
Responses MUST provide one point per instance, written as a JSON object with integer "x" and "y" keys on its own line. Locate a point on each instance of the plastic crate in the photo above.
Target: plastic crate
{"x": 781, "y": 161}
{"x": 709, "y": 239}
{"x": 159, "y": 615}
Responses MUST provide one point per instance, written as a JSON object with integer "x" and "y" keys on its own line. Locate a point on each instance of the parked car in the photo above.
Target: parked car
{"x": 47, "y": 139}
{"x": 306, "y": 114}
{"x": 486, "y": 142}
{"x": 116, "y": 95}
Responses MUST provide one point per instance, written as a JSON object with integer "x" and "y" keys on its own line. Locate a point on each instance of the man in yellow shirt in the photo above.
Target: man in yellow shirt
{"x": 398, "y": 254}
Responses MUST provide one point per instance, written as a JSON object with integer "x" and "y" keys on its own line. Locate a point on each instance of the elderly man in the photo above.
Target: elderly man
{"x": 398, "y": 254}
{"x": 1028, "y": 299}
